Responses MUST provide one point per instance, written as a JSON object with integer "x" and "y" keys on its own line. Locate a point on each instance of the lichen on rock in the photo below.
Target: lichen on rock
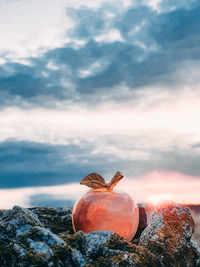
{"x": 168, "y": 234}
{"x": 24, "y": 240}
{"x": 58, "y": 220}
{"x": 30, "y": 237}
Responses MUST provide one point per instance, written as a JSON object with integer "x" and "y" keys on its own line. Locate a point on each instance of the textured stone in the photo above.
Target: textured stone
{"x": 58, "y": 220}
{"x": 91, "y": 242}
{"x": 105, "y": 248}
{"x": 16, "y": 222}
{"x": 77, "y": 257}
{"x": 195, "y": 253}
{"x": 41, "y": 249}
{"x": 25, "y": 241}
{"x": 46, "y": 236}
{"x": 168, "y": 233}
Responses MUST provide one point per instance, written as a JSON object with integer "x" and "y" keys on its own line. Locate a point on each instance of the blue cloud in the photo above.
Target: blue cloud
{"x": 155, "y": 46}
{"x": 90, "y": 23}
{"x": 34, "y": 164}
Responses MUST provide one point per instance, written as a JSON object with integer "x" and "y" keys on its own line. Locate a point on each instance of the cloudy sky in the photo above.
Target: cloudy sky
{"x": 99, "y": 86}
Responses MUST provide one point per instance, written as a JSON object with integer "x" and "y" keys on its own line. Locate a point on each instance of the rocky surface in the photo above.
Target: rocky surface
{"x": 57, "y": 220}
{"x": 169, "y": 233}
{"x": 44, "y": 237}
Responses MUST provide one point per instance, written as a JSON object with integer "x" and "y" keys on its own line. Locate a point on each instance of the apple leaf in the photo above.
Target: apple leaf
{"x": 94, "y": 181}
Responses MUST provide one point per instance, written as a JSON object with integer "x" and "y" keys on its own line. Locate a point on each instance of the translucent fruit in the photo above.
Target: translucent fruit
{"x": 103, "y": 209}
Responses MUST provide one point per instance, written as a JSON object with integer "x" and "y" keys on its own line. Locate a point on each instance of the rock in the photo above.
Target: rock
{"x": 58, "y": 220}
{"x": 142, "y": 221}
{"x": 91, "y": 242}
{"x": 195, "y": 253}
{"x": 41, "y": 249}
{"x": 20, "y": 250}
{"x": 105, "y": 248}
{"x": 168, "y": 234}
{"x": 15, "y": 221}
{"x": 24, "y": 241}
{"x": 124, "y": 253}
{"x": 77, "y": 258}
{"x": 46, "y": 236}
{"x": 27, "y": 240}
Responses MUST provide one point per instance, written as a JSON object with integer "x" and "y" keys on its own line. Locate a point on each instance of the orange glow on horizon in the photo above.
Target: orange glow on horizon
{"x": 158, "y": 198}
{"x": 151, "y": 187}
{"x": 163, "y": 185}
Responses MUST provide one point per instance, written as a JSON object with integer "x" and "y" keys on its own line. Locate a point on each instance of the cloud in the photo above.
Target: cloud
{"x": 157, "y": 184}
{"x": 136, "y": 46}
{"x": 25, "y": 164}
{"x": 27, "y": 196}
{"x": 31, "y": 28}
{"x": 154, "y": 119}
{"x": 42, "y": 146}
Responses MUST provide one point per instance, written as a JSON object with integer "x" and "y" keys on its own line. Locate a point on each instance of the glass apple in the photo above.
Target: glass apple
{"x": 103, "y": 209}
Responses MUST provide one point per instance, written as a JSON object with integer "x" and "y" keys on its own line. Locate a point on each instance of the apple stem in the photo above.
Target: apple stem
{"x": 115, "y": 180}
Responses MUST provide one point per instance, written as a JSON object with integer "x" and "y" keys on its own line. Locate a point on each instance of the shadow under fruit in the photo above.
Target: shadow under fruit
{"x": 103, "y": 209}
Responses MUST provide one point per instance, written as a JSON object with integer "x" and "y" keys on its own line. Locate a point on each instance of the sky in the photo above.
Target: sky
{"x": 99, "y": 86}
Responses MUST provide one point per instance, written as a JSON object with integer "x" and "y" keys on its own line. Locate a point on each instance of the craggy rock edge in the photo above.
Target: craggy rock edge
{"x": 44, "y": 237}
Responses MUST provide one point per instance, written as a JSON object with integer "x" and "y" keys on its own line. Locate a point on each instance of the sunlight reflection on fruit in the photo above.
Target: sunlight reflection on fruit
{"x": 103, "y": 209}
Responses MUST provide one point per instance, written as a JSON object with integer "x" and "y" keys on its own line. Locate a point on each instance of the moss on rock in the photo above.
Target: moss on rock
{"x": 28, "y": 237}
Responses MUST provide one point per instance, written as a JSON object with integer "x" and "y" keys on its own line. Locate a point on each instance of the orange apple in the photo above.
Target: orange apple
{"x": 103, "y": 209}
